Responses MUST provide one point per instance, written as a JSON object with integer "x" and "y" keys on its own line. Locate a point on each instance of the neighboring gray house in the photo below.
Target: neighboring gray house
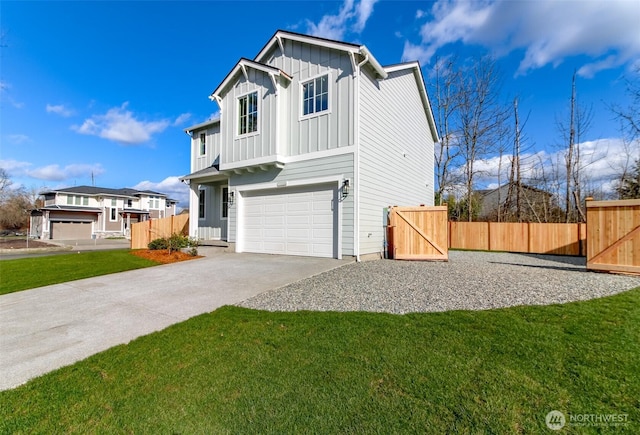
{"x": 314, "y": 140}
{"x": 536, "y": 205}
{"x": 84, "y": 212}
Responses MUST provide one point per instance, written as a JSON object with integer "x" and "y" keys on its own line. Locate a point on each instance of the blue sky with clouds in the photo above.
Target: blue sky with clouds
{"x": 105, "y": 89}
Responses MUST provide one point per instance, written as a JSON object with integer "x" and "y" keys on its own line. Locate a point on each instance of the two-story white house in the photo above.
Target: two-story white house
{"x": 85, "y": 212}
{"x": 315, "y": 139}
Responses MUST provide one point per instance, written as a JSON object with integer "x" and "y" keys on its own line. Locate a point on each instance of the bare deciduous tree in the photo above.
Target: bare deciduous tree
{"x": 446, "y": 96}
{"x": 481, "y": 119}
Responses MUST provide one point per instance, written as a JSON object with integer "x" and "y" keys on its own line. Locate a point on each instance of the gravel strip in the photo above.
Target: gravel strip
{"x": 468, "y": 281}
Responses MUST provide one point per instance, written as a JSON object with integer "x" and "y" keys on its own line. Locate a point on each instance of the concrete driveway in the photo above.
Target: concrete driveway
{"x": 49, "y": 327}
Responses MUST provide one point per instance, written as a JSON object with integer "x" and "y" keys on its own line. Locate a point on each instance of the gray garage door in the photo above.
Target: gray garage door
{"x": 70, "y": 230}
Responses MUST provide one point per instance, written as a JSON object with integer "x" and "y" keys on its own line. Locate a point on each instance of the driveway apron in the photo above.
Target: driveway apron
{"x": 50, "y": 327}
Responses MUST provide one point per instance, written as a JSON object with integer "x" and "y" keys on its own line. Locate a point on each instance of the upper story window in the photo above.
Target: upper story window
{"x": 77, "y": 200}
{"x": 203, "y": 143}
{"x": 154, "y": 202}
{"x": 129, "y": 203}
{"x": 248, "y": 113}
{"x": 315, "y": 95}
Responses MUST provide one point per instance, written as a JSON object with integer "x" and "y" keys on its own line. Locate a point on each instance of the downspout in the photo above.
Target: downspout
{"x": 356, "y": 156}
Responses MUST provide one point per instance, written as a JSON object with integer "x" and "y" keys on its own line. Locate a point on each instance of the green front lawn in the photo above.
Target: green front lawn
{"x": 27, "y": 273}
{"x": 243, "y": 371}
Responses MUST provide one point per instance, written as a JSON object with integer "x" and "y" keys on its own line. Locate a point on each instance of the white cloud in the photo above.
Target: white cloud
{"x": 51, "y": 172}
{"x": 181, "y": 119}
{"x": 14, "y": 167}
{"x": 602, "y": 161}
{"x": 55, "y": 173}
{"x": 120, "y": 125}
{"x": 547, "y": 30}
{"x": 170, "y": 186}
{"x": 352, "y": 17}
{"x": 59, "y": 110}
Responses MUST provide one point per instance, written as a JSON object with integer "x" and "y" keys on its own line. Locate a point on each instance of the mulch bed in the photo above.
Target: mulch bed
{"x": 163, "y": 256}
{"x": 22, "y": 244}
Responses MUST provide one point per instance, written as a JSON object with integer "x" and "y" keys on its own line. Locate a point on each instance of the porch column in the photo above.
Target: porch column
{"x": 194, "y": 197}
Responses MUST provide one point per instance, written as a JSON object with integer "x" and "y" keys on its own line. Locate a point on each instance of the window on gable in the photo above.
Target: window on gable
{"x": 315, "y": 95}
{"x": 248, "y": 113}
{"x": 203, "y": 143}
{"x": 201, "y": 203}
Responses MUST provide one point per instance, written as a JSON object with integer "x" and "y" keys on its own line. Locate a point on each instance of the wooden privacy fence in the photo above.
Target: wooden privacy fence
{"x": 613, "y": 242}
{"x": 144, "y": 232}
{"x": 417, "y": 233}
{"x": 533, "y": 238}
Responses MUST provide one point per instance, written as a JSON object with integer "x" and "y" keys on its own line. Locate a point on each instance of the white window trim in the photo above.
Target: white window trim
{"x": 236, "y": 118}
{"x": 111, "y": 214}
{"x": 200, "y": 153}
{"x": 302, "y": 116}
{"x": 203, "y": 192}
{"x": 222, "y": 201}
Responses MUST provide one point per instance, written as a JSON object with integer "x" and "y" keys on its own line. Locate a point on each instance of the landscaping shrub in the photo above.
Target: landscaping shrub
{"x": 156, "y": 244}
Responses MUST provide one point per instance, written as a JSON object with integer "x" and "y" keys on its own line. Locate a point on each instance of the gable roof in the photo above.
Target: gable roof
{"x": 362, "y": 50}
{"x": 94, "y": 191}
{"x": 242, "y": 66}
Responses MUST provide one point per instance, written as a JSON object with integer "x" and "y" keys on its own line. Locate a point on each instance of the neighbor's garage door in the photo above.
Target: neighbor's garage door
{"x": 290, "y": 221}
{"x": 70, "y": 230}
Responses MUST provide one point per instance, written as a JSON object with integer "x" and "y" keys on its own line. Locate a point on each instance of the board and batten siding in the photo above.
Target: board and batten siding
{"x": 340, "y": 165}
{"x": 396, "y": 152}
{"x": 326, "y": 131}
{"x": 250, "y": 146}
{"x": 212, "y": 151}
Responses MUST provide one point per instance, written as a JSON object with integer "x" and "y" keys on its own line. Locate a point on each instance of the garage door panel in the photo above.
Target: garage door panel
{"x": 294, "y": 221}
{"x": 70, "y": 230}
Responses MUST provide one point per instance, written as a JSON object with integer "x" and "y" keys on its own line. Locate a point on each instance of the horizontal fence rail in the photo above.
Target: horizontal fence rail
{"x": 142, "y": 233}
{"x": 532, "y": 238}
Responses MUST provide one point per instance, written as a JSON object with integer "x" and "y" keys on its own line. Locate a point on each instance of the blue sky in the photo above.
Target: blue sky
{"x": 105, "y": 89}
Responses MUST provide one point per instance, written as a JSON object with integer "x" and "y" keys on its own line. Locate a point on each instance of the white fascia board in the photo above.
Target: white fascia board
{"x": 373, "y": 62}
{"x": 280, "y": 35}
{"x": 202, "y": 125}
{"x": 241, "y": 66}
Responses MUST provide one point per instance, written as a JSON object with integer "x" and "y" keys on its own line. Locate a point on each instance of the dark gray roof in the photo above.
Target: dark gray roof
{"x": 93, "y": 190}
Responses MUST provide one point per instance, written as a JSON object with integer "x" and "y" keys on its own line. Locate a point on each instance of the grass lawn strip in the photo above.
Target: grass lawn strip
{"x": 243, "y": 371}
{"x": 28, "y": 273}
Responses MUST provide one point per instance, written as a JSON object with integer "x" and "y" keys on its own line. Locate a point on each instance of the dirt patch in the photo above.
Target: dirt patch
{"x": 163, "y": 256}
{"x": 22, "y": 244}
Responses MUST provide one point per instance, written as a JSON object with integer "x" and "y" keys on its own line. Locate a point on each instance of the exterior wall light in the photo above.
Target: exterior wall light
{"x": 230, "y": 197}
{"x": 345, "y": 188}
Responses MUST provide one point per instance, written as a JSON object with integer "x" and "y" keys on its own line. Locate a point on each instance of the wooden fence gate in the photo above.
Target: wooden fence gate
{"x": 613, "y": 235}
{"x": 418, "y": 233}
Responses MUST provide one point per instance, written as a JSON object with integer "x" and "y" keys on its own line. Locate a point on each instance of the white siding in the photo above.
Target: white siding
{"x": 329, "y": 130}
{"x": 341, "y": 165}
{"x": 396, "y": 153}
{"x": 237, "y": 148}
{"x": 212, "y": 152}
